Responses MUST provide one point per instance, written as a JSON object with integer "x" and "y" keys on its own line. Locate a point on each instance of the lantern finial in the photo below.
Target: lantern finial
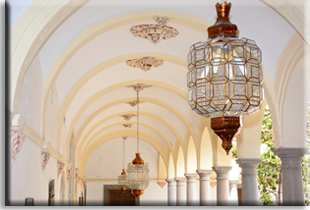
{"x": 222, "y": 26}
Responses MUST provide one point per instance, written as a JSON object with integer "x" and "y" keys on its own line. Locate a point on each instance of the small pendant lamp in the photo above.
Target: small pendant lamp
{"x": 138, "y": 171}
{"x": 122, "y": 179}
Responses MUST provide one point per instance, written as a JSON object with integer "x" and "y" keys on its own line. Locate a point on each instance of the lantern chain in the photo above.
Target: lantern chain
{"x": 138, "y": 122}
{"x": 124, "y": 154}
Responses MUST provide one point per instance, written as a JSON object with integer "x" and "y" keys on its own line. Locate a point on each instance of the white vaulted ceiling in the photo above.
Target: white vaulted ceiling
{"x": 84, "y": 60}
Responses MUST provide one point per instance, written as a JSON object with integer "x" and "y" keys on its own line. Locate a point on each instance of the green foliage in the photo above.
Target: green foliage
{"x": 306, "y": 163}
{"x": 270, "y": 169}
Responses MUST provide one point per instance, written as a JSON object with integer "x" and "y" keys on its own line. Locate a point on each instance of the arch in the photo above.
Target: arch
{"x": 80, "y": 146}
{"x": 295, "y": 114}
{"x": 180, "y": 166}
{"x": 65, "y": 104}
{"x": 151, "y": 100}
{"x": 29, "y": 34}
{"x": 86, "y": 154}
{"x": 170, "y": 149}
{"x": 206, "y": 153}
{"x": 292, "y": 54}
{"x": 95, "y": 30}
{"x": 171, "y": 167}
{"x": 191, "y": 159}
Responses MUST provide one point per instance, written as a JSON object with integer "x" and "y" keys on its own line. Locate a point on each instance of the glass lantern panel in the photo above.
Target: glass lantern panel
{"x": 200, "y": 73}
{"x": 208, "y": 53}
{"x": 200, "y": 54}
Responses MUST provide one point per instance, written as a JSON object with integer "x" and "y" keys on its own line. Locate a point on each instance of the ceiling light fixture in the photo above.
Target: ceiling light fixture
{"x": 155, "y": 32}
{"x": 138, "y": 171}
{"x": 145, "y": 63}
{"x": 225, "y": 77}
{"x": 122, "y": 179}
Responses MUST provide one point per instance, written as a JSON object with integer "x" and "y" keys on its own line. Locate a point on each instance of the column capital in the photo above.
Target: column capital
{"x": 204, "y": 171}
{"x": 222, "y": 172}
{"x": 179, "y": 180}
{"x": 170, "y": 181}
{"x": 204, "y": 174}
{"x": 221, "y": 169}
{"x": 248, "y": 165}
{"x": 249, "y": 161}
{"x": 291, "y": 151}
{"x": 191, "y": 177}
{"x": 291, "y": 157}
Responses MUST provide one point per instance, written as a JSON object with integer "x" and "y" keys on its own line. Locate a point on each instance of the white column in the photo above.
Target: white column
{"x": 172, "y": 196}
{"x": 181, "y": 191}
{"x": 293, "y": 193}
{"x": 222, "y": 184}
{"x": 191, "y": 189}
{"x": 233, "y": 192}
{"x": 205, "y": 188}
{"x": 250, "y": 193}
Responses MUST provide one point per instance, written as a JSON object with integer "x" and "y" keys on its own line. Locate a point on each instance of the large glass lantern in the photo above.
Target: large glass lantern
{"x": 138, "y": 171}
{"x": 138, "y": 176}
{"x": 225, "y": 77}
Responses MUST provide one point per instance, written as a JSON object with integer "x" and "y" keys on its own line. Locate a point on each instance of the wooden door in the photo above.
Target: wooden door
{"x": 118, "y": 198}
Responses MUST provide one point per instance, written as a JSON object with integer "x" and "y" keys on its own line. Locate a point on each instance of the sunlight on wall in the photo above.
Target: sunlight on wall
{"x": 180, "y": 164}
{"x": 191, "y": 157}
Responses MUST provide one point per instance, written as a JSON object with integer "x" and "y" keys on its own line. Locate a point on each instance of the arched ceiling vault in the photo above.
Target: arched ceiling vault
{"x": 81, "y": 143}
{"x": 87, "y": 35}
{"x": 145, "y": 137}
{"x": 86, "y": 66}
{"x": 146, "y": 99}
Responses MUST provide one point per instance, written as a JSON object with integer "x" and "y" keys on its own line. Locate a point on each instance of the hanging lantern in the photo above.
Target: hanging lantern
{"x": 138, "y": 171}
{"x": 225, "y": 77}
{"x": 122, "y": 179}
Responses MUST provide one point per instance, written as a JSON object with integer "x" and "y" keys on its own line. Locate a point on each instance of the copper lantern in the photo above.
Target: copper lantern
{"x": 225, "y": 77}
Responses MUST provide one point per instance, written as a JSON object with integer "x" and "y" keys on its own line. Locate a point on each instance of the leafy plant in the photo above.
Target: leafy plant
{"x": 306, "y": 163}
{"x": 269, "y": 171}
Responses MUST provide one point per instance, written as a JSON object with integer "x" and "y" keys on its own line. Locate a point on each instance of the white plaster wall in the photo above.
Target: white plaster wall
{"x": 27, "y": 179}
{"x": 154, "y": 195}
{"x": 104, "y": 164}
{"x": 30, "y": 95}
{"x": 51, "y": 117}
{"x": 94, "y": 194}
{"x": 296, "y": 106}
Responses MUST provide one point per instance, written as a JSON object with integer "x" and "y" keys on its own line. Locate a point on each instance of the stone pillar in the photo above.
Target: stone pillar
{"x": 191, "y": 189}
{"x": 222, "y": 184}
{"x": 293, "y": 193}
{"x": 181, "y": 191}
{"x": 205, "y": 188}
{"x": 172, "y": 196}
{"x": 233, "y": 192}
{"x": 250, "y": 193}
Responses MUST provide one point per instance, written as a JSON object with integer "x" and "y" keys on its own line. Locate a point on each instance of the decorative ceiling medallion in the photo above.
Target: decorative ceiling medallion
{"x": 133, "y": 103}
{"x": 139, "y": 86}
{"x": 127, "y": 125}
{"x": 128, "y": 116}
{"x": 145, "y": 63}
{"x": 155, "y": 32}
